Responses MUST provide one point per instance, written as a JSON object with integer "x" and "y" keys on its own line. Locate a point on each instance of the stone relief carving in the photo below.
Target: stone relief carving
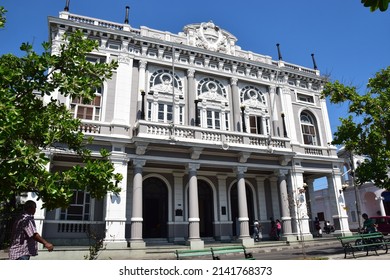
{"x": 210, "y": 37}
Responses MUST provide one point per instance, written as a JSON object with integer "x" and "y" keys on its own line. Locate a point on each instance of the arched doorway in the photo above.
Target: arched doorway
{"x": 234, "y": 208}
{"x": 154, "y": 208}
{"x": 206, "y": 209}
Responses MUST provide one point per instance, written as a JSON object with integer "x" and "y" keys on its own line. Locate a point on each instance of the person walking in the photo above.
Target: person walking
{"x": 25, "y": 238}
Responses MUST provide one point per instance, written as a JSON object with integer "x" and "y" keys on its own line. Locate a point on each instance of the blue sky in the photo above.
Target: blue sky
{"x": 350, "y": 43}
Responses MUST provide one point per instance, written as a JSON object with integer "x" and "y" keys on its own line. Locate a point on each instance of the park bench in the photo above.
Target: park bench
{"x": 363, "y": 241}
{"x": 182, "y": 254}
{"x": 213, "y": 252}
{"x": 217, "y": 251}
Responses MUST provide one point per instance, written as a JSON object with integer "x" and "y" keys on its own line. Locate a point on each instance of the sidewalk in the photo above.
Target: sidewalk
{"x": 167, "y": 251}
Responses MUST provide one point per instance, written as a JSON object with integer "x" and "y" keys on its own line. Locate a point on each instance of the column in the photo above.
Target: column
{"x": 194, "y": 240}
{"x": 224, "y": 230}
{"x": 290, "y": 117}
{"x": 136, "y": 240}
{"x": 274, "y": 113}
{"x": 285, "y": 206}
{"x": 122, "y": 102}
{"x": 261, "y": 198}
{"x": 298, "y": 196}
{"x": 337, "y": 204}
{"x": 115, "y": 217}
{"x": 275, "y": 197}
{"x": 191, "y": 91}
{"x": 142, "y": 87}
{"x": 142, "y": 77}
{"x": 179, "y": 227}
{"x": 235, "y": 104}
{"x": 243, "y": 218}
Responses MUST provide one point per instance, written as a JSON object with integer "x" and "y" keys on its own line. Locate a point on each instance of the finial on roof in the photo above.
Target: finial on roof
{"x": 279, "y": 53}
{"x": 66, "y": 9}
{"x": 127, "y": 15}
{"x": 314, "y": 61}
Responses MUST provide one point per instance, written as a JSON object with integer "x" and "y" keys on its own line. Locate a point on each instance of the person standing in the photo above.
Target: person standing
{"x": 25, "y": 238}
{"x": 278, "y": 229}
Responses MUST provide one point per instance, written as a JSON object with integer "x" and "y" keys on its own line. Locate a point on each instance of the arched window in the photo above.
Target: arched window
{"x": 165, "y": 90}
{"x": 88, "y": 110}
{"x": 256, "y": 110}
{"x": 213, "y": 110}
{"x": 309, "y": 131}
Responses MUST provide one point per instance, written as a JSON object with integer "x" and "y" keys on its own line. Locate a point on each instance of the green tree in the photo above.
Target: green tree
{"x": 31, "y": 125}
{"x": 2, "y": 16}
{"x": 382, "y": 5}
{"x": 366, "y": 130}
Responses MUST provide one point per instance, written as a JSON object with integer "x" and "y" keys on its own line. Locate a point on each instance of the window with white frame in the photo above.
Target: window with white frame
{"x": 79, "y": 208}
{"x": 213, "y": 111}
{"x": 165, "y": 100}
{"x": 256, "y": 110}
{"x": 309, "y": 131}
{"x": 88, "y": 110}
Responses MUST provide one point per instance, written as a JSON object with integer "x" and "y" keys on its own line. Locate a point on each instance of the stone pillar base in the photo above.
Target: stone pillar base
{"x": 136, "y": 244}
{"x": 195, "y": 244}
{"x": 247, "y": 242}
{"x": 117, "y": 244}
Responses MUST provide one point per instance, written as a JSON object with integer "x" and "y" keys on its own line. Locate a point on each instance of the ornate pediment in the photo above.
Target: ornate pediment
{"x": 210, "y": 37}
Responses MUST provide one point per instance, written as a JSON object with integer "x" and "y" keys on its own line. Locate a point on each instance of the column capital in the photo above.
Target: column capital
{"x": 193, "y": 167}
{"x": 281, "y": 172}
{"x": 124, "y": 59}
{"x": 233, "y": 81}
{"x": 142, "y": 64}
{"x": 139, "y": 163}
{"x": 240, "y": 169}
{"x": 191, "y": 73}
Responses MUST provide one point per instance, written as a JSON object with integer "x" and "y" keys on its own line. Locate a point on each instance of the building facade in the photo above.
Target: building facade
{"x": 208, "y": 138}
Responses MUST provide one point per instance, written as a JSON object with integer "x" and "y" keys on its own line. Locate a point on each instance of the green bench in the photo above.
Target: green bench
{"x": 217, "y": 251}
{"x": 182, "y": 254}
{"x": 363, "y": 242}
{"x": 213, "y": 252}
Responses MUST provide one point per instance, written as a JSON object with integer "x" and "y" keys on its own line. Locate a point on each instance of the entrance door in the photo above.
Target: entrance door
{"x": 154, "y": 208}
{"x": 206, "y": 209}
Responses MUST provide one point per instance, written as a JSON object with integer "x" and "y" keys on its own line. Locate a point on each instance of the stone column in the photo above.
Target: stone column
{"x": 194, "y": 240}
{"x": 115, "y": 217}
{"x": 235, "y": 103}
{"x": 123, "y": 93}
{"x": 298, "y": 197}
{"x": 191, "y": 97}
{"x": 275, "y": 197}
{"x": 261, "y": 198}
{"x": 285, "y": 206}
{"x": 337, "y": 204}
{"x": 243, "y": 218}
{"x": 225, "y": 226}
{"x": 142, "y": 76}
{"x": 136, "y": 240}
{"x": 142, "y": 87}
{"x": 179, "y": 227}
{"x": 274, "y": 113}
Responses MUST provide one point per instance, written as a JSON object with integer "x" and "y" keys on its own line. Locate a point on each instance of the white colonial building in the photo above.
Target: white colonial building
{"x": 208, "y": 138}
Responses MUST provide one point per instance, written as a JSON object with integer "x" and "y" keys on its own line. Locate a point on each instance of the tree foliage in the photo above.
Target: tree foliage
{"x": 2, "y": 16}
{"x": 31, "y": 125}
{"x": 366, "y": 130}
{"x": 382, "y": 5}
